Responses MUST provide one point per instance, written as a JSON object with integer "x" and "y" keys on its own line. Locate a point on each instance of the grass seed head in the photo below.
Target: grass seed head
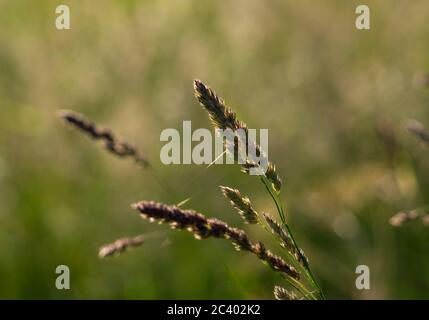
{"x": 110, "y": 141}
{"x": 119, "y": 246}
{"x": 418, "y": 129}
{"x": 203, "y": 228}
{"x": 403, "y": 217}
{"x": 223, "y": 118}
{"x": 241, "y": 203}
{"x": 280, "y": 232}
{"x": 281, "y": 293}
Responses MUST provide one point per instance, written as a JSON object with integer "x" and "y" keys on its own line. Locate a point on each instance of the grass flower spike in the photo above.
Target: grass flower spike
{"x": 119, "y": 246}
{"x": 241, "y": 203}
{"x": 292, "y": 265}
{"x": 111, "y": 143}
{"x": 202, "y": 228}
{"x": 223, "y": 117}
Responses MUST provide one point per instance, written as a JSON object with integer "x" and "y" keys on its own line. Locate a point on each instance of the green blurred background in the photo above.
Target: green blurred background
{"x": 335, "y": 101}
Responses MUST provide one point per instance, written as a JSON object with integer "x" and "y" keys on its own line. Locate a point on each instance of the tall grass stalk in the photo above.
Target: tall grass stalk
{"x": 223, "y": 117}
{"x": 290, "y": 267}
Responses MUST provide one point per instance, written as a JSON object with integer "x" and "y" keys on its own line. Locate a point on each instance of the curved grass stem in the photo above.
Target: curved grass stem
{"x": 280, "y": 209}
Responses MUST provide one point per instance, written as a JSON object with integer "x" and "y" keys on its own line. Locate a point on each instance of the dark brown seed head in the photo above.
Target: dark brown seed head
{"x": 274, "y": 261}
{"x": 223, "y": 117}
{"x": 203, "y": 227}
{"x": 111, "y": 143}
